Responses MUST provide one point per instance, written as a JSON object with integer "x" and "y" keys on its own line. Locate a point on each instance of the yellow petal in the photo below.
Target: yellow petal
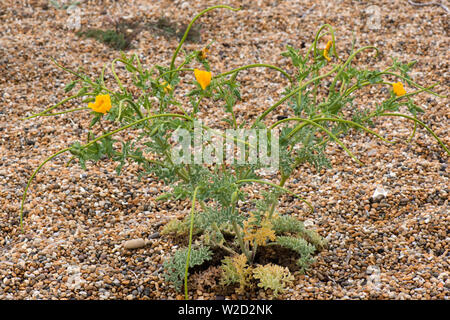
{"x": 325, "y": 54}
{"x": 326, "y": 51}
{"x": 398, "y": 88}
{"x": 203, "y": 77}
{"x": 105, "y": 103}
{"x": 167, "y": 87}
{"x": 102, "y": 103}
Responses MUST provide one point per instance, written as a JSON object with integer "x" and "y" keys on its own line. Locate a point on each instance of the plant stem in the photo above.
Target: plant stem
{"x": 115, "y": 75}
{"x": 190, "y": 244}
{"x": 318, "y": 36}
{"x": 31, "y": 179}
{"x": 293, "y": 92}
{"x": 419, "y": 122}
{"x": 274, "y": 204}
{"x": 306, "y": 121}
{"x": 63, "y": 112}
{"x": 172, "y": 63}
{"x": 255, "y": 65}
{"x": 172, "y": 71}
{"x": 349, "y": 59}
{"x": 415, "y": 84}
{"x": 52, "y": 107}
{"x": 85, "y": 79}
{"x": 241, "y": 241}
{"x": 338, "y": 141}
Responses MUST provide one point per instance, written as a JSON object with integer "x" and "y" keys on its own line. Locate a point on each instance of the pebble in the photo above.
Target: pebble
{"x": 379, "y": 193}
{"x": 135, "y": 243}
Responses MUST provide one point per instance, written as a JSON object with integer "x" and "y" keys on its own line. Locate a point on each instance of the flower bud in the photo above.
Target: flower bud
{"x": 234, "y": 197}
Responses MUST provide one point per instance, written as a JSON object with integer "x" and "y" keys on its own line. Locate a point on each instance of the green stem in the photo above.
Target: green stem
{"x": 135, "y": 107}
{"x": 315, "y": 90}
{"x": 86, "y": 146}
{"x": 374, "y": 113}
{"x": 312, "y": 122}
{"x": 172, "y": 63}
{"x": 172, "y": 71}
{"x": 329, "y": 119}
{"x": 63, "y": 112}
{"x": 318, "y": 36}
{"x": 419, "y": 122}
{"x": 191, "y": 228}
{"x": 274, "y": 204}
{"x": 183, "y": 174}
{"x": 255, "y": 65}
{"x": 350, "y": 90}
{"x": 52, "y": 107}
{"x": 244, "y": 249}
{"x": 314, "y": 45}
{"x": 415, "y": 84}
{"x": 129, "y": 65}
{"x": 413, "y": 133}
{"x": 84, "y": 78}
{"x": 135, "y": 123}
{"x": 115, "y": 74}
{"x": 350, "y": 58}
{"x": 293, "y": 92}
{"x": 427, "y": 89}
{"x": 233, "y": 116}
{"x": 31, "y": 179}
{"x": 227, "y": 249}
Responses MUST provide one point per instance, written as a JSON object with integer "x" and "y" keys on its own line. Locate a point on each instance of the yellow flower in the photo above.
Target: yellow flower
{"x": 204, "y": 53}
{"x": 203, "y": 77}
{"x": 327, "y": 50}
{"x": 398, "y": 89}
{"x": 167, "y": 87}
{"x": 102, "y": 103}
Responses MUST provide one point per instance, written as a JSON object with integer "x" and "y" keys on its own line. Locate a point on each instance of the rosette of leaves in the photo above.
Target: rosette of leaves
{"x": 274, "y": 277}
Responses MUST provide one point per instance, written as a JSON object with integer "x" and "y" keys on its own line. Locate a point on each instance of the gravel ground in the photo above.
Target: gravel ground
{"x": 76, "y": 221}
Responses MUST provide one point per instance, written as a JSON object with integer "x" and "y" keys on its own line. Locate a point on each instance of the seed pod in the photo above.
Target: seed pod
{"x": 154, "y": 131}
{"x": 412, "y": 63}
{"x": 234, "y": 197}
{"x": 163, "y": 197}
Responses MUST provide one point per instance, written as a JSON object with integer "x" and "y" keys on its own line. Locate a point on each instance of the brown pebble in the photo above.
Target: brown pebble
{"x": 134, "y": 243}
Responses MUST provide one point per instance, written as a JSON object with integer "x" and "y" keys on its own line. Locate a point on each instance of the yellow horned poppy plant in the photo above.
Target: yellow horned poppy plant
{"x": 398, "y": 88}
{"x": 102, "y": 103}
{"x": 203, "y": 77}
